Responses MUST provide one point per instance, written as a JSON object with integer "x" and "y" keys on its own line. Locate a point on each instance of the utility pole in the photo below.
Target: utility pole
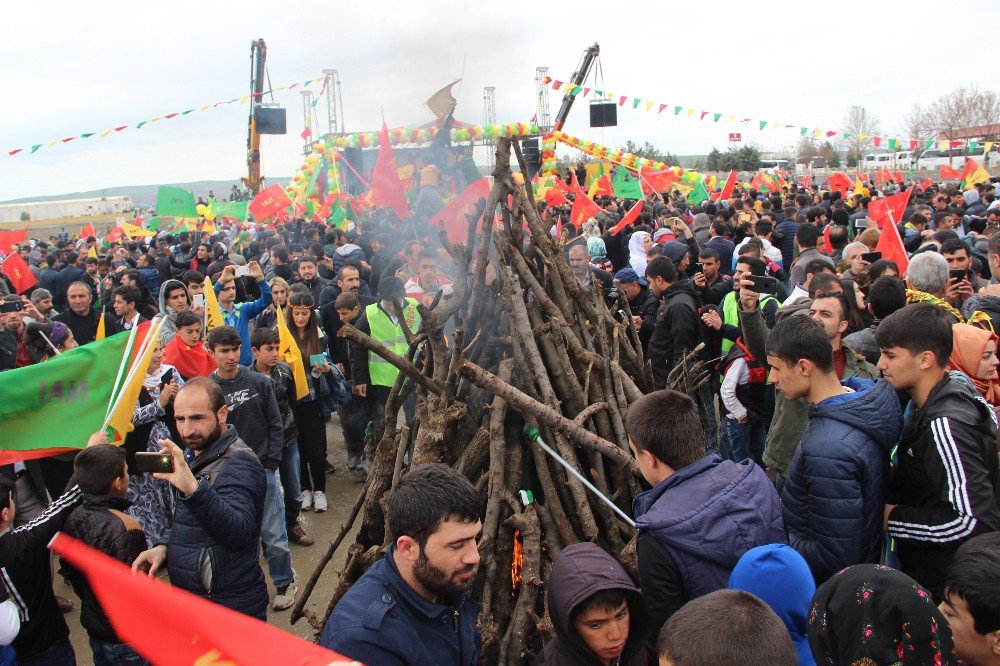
{"x": 490, "y": 118}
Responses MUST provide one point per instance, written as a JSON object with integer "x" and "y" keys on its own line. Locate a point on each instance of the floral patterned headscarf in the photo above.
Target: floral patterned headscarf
{"x": 871, "y": 615}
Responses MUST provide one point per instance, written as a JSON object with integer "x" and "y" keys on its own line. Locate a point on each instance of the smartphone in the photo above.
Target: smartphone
{"x": 698, "y": 267}
{"x": 959, "y": 274}
{"x": 317, "y": 359}
{"x": 198, "y": 301}
{"x": 242, "y": 270}
{"x": 861, "y": 223}
{"x": 154, "y": 462}
{"x": 871, "y": 257}
{"x": 12, "y": 306}
{"x": 763, "y": 284}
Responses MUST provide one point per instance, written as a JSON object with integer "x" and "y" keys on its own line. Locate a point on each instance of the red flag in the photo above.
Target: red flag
{"x": 268, "y": 202}
{"x": 840, "y": 182}
{"x": 387, "y": 190}
{"x": 10, "y": 238}
{"x": 630, "y": 217}
{"x": 809, "y": 180}
{"x": 603, "y": 186}
{"x": 574, "y": 184}
{"x": 924, "y": 185}
{"x": 657, "y": 181}
{"x": 306, "y": 133}
{"x": 19, "y": 274}
{"x": 898, "y": 176}
{"x": 727, "y": 188}
{"x": 583, "y": 209}
{"x": 948, "y": 172}
{"x": 87, "y": 231}
{"x": 891, "y": 245}
{"x": 114, "y": 235}
{"x": 199, "y": 631}
{"x": 879, "y": 177}
{"x": 453, "y": 218}
{"x": 555, "y": 197}
{"x": 889, "y": 209}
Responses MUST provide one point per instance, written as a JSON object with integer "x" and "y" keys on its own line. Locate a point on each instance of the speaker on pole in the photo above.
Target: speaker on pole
{"x": 603, "y": 114}
{"x": 270, "y": 120}
{"x": 532, "y": 155}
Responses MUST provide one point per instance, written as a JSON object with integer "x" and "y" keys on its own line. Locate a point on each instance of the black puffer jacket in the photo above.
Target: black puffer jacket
{"x": 676, "y": 332}
{"x": 101, "y": 523}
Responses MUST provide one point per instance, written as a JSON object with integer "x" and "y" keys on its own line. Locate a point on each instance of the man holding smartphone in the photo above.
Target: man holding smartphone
{"x": 962, "y": 280}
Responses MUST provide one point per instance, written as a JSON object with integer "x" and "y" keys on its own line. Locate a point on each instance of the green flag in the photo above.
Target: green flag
{"x": 698, "y": 194}
{"x": 153, "y": 224}
{"x": 338, "y": 217}
{"x": 175, "y": 202}
{"x": 626, "y": 187}
{"x": 57, "y": 404}
{"x": 233, "y": 209}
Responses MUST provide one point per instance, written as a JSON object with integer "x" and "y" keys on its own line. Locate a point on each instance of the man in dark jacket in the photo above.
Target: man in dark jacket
{"x": 833, "y": 497}
{"x": 886, "y": 295}
{"x": 413, "y": 607}
{"x": 702, "y": 513}
{"x": 101, "y": 523}
{"x": 214, "y": 548}
{"x": 709, "y": 281}
{"x": 70, "y": 273}
{"x": 597, "y": 612}
{"x": 307, "y": 275}
{"x": 80, "y": 316}
{"x": 946, "y": 488}
{"x": 676, "y": 330}
{"x": 641, "y": 301}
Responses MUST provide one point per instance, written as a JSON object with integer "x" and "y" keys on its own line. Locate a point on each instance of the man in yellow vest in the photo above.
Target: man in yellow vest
{"x": 373, "y": 375}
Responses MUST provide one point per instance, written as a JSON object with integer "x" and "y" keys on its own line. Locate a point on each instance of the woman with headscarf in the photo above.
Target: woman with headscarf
{"x": 974, "y": 354}
{"x": 871, "y": 614}
{"x": 598, "y": 254}
{"x": 638, "y": 244}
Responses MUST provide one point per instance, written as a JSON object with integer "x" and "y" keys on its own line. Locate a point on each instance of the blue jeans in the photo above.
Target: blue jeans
{"x": 114, "y": 654}
{"x": 57, "y": 654}
{"x": 275, "y": 537}
{"x": 746, "y": 440}
{"x": 288, "y": 470}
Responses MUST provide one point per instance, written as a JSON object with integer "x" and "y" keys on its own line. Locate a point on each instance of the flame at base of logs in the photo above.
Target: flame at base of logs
{"x": 516, "y": 562}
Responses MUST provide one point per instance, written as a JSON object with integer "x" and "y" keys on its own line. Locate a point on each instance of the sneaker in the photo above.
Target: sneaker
{"x": 320, "y": 499}
{"x": 299, "y": 535}
{"x": 284, "y": 598}
{"x": 330, "y": 469}
{"x": 307, "y": 500}
{"x": 65, "y": 605}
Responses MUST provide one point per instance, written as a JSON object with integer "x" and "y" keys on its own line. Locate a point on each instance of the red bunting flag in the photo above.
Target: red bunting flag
{"x": 387, "y": 189}
{"x": 10, "y": 238}
{"x": 630, "y": 217}
{"x": 583, "y": 210}
{"x": 888, "y": 209}
{"x": 891, "y": 245}
{"x": 948, "y": 172}
{"x": 199, "y": 631}
{"x": 454, "y": 218}
{"x": 269, "y": 202}
{"x": 18, "y": 272}
{"x": 555, "y": 197}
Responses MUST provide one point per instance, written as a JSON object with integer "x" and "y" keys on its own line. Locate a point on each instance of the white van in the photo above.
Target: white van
{"x": 903, "y": 160}
{"x": 877, "y": 161}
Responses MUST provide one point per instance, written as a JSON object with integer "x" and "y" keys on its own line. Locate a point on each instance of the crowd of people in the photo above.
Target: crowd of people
{"x": 831, "y": 495}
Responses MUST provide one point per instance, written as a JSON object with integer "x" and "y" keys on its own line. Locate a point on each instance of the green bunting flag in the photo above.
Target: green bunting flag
{"x": 58, "y": 404}
{"x": 626, "y": 187}
{"x": 175, "y": 202}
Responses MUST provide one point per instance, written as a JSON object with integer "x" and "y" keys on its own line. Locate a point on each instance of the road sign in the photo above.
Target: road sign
{"x": 735, "y": 136}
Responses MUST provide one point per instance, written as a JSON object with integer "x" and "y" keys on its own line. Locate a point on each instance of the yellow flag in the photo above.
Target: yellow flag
{"x": 100, "y": 326}
{"x": 980, "y": 175}
{"x": 120, "y": 417}
{"x": 289, "y": 351}
{"x": 92, "y": 252}
{"x": 858, "y": 187}
{"x": 133, "y": 231}
{"x": 213, "y": 313}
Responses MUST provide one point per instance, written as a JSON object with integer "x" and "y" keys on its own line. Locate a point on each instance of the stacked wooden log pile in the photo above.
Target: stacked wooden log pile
{"x": 529, "y": 345}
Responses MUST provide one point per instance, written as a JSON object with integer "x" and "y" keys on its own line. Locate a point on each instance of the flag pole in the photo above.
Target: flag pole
{"x": 121, "y": 367}
{"x": 151, "y": 337}
{"x": 532, "y": 433}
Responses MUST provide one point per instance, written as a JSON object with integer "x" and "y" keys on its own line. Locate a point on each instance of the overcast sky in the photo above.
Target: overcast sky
{"x": 72, "y": 67}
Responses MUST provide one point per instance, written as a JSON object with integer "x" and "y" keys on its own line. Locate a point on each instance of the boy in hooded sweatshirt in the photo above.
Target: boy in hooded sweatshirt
{"x": 779, "y": 577}
{"x": 837, "y": 483}
{"x": 597, "y": 612}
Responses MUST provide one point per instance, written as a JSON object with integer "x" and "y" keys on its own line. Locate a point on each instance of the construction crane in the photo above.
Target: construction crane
{"x": 258, "y": 58}
{"x": 579, "y": 76}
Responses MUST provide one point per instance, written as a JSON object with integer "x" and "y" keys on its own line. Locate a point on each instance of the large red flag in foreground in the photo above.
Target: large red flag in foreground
{"x": 20, "y": 275}
{"x": 630, "y": 217}
{"x": 583, "y": 210}
{"x": 268, "y": 202}
{"x": 387, "y": 189}
{"x": 888, "y": 208}
{"x": 454, "y": 219}
{"x": 657, "y": 181}
{"x": 169, "y": 626}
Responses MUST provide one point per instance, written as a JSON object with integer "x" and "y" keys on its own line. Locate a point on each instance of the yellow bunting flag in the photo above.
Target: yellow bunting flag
{"x": 213, "y": 313}
{"x": 289, "y": 350}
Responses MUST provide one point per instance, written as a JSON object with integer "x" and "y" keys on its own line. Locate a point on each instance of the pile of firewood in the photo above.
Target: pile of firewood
{"x": 530, "y": 345}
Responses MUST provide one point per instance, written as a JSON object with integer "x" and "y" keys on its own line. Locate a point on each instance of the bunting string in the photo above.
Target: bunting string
{"x": 167, "y": 116}
{"x": 679, "y": 110}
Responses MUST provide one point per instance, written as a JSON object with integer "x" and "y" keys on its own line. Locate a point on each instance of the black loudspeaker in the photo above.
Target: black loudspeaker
{"x": 603, "y": 114}
{"x": 532, "y": 155}
{"x": 355, "y": 158}
{"x": 270, "y": 120}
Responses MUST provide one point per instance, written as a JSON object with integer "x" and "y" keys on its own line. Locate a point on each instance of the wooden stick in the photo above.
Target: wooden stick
{"x": 402, "y": 364}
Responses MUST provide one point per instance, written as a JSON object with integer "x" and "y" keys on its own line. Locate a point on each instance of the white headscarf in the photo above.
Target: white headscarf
{"x": 637, "y": 253}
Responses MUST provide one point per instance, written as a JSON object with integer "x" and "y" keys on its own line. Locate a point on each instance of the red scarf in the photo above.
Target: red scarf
{"x": 189, "y": 361}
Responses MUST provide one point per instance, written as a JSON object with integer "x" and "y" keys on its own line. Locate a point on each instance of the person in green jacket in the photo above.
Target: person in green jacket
{"x": 790, "y": 416}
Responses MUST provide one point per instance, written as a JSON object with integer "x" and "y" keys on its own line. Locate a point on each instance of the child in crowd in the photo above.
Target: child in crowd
{"x": 186, "y": 351}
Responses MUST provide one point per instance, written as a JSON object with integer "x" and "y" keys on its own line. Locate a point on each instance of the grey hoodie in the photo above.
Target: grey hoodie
{"x": 169, "y": 328}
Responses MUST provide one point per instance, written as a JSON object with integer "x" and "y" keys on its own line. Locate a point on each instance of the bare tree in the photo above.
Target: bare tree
{"x": 986, "y": 111}
{"x": 917, "y": 126}
{"x": 806, "y": 148}
{"x": 862, "y": 125}
{"x": 954, "y": 112}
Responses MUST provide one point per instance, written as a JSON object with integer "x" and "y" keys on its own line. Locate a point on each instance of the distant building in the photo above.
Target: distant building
{"x": 65, "y": 208}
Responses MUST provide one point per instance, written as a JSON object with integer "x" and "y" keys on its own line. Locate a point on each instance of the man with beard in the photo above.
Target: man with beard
{"x": 412, "y": 607}
{"x": 214, "y": 544}
{"x": 81, "y": 317}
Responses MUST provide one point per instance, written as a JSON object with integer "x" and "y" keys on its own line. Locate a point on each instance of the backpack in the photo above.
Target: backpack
{"x": 751, "y": 395}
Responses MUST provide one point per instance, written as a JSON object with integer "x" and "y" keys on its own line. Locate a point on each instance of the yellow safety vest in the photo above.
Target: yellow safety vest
{"x": 380, "y": 371}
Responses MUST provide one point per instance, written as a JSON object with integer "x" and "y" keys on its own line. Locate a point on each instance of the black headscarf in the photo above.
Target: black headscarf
{"x": 869, "y": 614}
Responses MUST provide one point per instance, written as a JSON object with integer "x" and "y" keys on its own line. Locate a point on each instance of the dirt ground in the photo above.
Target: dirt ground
{"x": 341, "y": 492}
